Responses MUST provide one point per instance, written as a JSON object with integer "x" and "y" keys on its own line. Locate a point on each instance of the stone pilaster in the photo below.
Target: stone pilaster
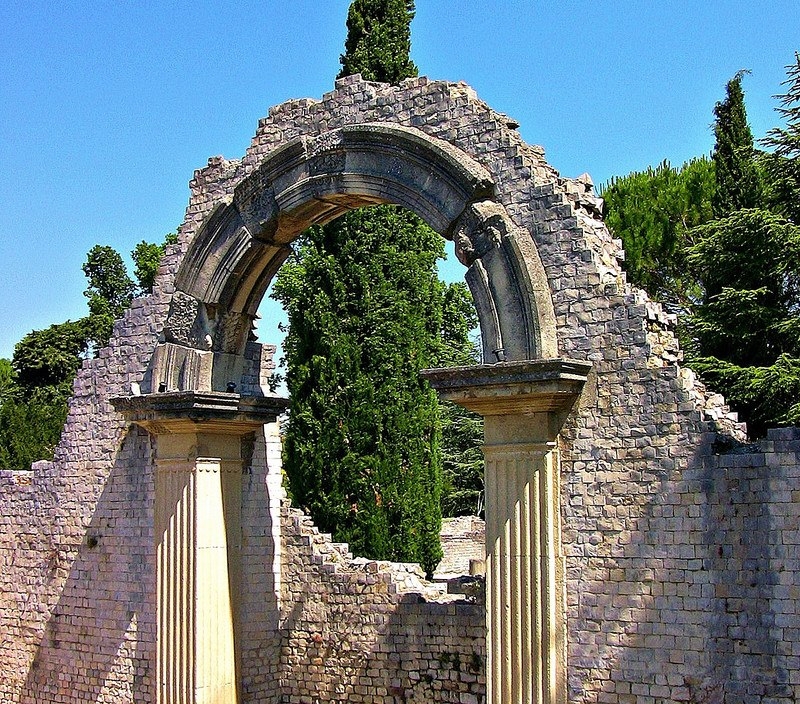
{"x": 198, "y": 488}
{"x": 524, "y": 405}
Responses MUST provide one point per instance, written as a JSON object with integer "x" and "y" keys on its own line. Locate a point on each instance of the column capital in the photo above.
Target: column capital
{"x": 512, "y": 388}
{"x": 178, "y": 412}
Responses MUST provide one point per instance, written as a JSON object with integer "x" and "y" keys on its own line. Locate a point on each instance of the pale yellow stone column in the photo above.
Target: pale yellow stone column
{"x": 524, "y": 405}
{"x": 197, "y": 525}
{"x": 198, "y": 538}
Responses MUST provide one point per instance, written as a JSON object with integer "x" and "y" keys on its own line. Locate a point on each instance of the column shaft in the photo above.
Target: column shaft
{"x": 524, "y": 404}
{"x": 198, "y": 529}
{"x": 524, "y": 581}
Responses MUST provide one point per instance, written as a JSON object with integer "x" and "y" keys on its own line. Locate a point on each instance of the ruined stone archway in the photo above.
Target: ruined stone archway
{"x": 201, "y": 534}
{"x": 314, "y": 179}
{"x": 222, "y": 277}
{"x": 120, "y": 583}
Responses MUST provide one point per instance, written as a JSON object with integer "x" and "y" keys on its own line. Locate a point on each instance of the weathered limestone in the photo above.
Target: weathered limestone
{"x": 524, "y": 405}
{"x": 198, "y": 500}
{"x": 240, "y": 246}
{"x": 680, "y": 545}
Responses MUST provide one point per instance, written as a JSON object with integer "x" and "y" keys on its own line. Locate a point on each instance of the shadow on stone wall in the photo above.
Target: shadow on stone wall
{"x": 682, "y": 601}
{"x": 258, "y": 616}
{"x": 743, "y": 558}
{"x": 98, "y": 640}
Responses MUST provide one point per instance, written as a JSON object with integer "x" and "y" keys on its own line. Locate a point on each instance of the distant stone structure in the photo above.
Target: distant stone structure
{"x": 464, "y": 545}
{"x": 637, "y": 549}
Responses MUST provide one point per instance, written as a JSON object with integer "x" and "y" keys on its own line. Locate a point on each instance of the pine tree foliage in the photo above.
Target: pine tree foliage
{"x": 378, "y": 43}
{"x": 745, "y": 332}
{"x": 737, "y": 176}
{"x": 782, "y": 164}
{"x": 767, "y": 397}
{"x": 718, "y": 242}
{"x": 750, "y": 265}
{"x": 653, "y": 213}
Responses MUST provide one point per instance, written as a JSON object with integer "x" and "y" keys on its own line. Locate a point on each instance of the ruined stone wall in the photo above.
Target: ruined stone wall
{"x": 77, "y": 617}
{"x": 689, "y": 579}
{"x": 681, "y": 562}
{"x": 465, "y": 538}
{"x": 359, "y": 630}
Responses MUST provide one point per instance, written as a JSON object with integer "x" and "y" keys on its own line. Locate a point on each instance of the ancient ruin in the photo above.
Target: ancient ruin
{"x": 637, "y": 550}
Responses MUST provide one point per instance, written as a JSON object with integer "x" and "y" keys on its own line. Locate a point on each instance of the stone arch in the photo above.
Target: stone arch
{"x": 314, "y": 179}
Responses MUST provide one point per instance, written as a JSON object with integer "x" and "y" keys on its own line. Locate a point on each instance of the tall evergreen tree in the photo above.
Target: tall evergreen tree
{"x": 365, "y": 307}
{"x": 361, "y": 445}
{"x": 378, "y": 43}
{"x": 653, "y": 213}
{"x": 782, "y": 165}
{"x": 745, "y": 332}
{"x": 735, "y": 169}
{"x": 720, "y": 242}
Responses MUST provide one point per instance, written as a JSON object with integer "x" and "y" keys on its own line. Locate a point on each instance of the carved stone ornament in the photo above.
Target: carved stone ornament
{"x": 259, "y": 211}
{"x": 480, "y": 228}
{"x": 230, "y": 331}
{"x": 186, "y": 322}
{"x": 326, "y": 142}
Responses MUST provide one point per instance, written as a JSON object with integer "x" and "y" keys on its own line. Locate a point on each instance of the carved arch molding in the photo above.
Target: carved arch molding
{"x": 313, "y": 180}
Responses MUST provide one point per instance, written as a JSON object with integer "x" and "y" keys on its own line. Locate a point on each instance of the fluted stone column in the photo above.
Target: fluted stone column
{"x": 198, "y": 486}
{"x": 524, "y": 405}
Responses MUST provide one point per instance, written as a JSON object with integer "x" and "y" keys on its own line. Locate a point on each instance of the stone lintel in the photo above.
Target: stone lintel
{"x": 200, "y": 411}
{"x": 512, "y": 388}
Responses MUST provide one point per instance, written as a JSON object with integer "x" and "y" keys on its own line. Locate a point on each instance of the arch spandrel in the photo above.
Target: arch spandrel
{"x": 314, "y": 179}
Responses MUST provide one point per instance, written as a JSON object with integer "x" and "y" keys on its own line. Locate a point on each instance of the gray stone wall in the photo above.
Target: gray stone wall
{"x": 688, "y": 580}
{"x": 682, "y": 561}
{"x": 360, "y": 630}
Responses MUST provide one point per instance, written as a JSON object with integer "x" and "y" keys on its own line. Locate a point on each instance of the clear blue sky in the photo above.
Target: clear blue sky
{"x": 106, "y": 108}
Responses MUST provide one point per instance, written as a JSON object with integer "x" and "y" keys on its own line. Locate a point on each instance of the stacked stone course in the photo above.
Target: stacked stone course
{"x": 682, "y": 544}
{"x": 368, "y": 631}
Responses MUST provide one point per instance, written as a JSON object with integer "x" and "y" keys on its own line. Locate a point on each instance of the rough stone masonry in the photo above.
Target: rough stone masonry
{"x": 681, "y": 544}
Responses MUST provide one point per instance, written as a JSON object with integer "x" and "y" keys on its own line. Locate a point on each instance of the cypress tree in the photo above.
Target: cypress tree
{"x": 737, "y": 178}
{"x": 378, "y": 41}
{"x": 365, "y": 307}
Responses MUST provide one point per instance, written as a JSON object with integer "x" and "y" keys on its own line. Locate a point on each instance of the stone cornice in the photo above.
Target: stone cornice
{"x": 190, "y": 411}
{"x": 510, "y": 388}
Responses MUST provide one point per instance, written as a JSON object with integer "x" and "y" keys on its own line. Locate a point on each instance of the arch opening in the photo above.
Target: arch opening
{"x": 243, "y": 242}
